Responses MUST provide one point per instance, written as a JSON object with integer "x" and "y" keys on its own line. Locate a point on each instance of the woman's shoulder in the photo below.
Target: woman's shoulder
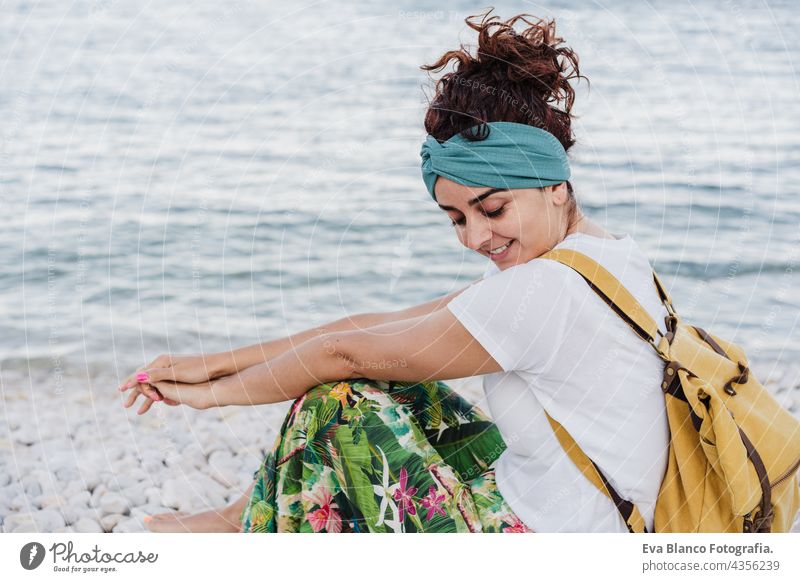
{"x": 616, "y": 254}
{"x": 540, "y": 276}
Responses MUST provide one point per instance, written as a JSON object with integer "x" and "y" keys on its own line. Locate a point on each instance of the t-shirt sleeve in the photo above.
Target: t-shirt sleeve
{"x": 519, "y": 315}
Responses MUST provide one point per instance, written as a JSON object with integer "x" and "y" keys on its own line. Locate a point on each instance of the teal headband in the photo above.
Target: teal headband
{"x": 514, "y": 155}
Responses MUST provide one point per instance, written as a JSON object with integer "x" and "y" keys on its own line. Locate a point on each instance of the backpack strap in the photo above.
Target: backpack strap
{"x": 662, "y": 292}
{"x": 629, "y": 512}
{"x": 624, "y": 304}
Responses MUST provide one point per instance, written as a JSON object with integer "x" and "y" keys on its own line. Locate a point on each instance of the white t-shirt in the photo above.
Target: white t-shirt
{"x": 562, "y": 349}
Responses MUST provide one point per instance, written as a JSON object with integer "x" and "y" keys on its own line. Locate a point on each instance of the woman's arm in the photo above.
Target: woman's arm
{"x": 425, "y": 348}
{"x": 226, "y": 363}
{"x": 322, "y": 357}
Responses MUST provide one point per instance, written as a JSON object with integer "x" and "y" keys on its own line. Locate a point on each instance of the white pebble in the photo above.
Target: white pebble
{"x": 54, "y": 501}
{"x": 135, "y": 495}
{"x": 81, "y": 499}
{"x": 774, "y": 376}
{"x": 67, "y": 474}
{"x": 60, "y": 459}
{"x": 119, "y": 482}
{"x": 194, "y": 454}
{"x": 47, "y": 481}
{"x": 172, "y": 493}
{"x": 72, "y": 514}
{"x": 223, "y": 468}
{"x": 89, "y": 471}
{"x": 98, "y": 493}
{"x": 32, "y": 487}
{"x": 110, "y": 521}
{"x": 123, "y": 466}
{"x": 25, "y": 436}
{"x": 113, "y": 503}
{"x": 10, "y": 491}
{"x": 87, "y": 525}
{"x": 191, "y": 491}
{"x": 153, "y": 495}
{"x": 74, "y": 487}
{"x": 21, "y": 502}
{"x": 138, "y": 475}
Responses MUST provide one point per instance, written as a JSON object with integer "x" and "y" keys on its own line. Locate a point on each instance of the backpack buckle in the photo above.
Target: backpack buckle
{"x": 671, "y": 321}
{"x": 658, "y": 350}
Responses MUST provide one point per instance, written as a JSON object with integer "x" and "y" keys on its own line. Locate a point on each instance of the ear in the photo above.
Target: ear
{"x": 558, "y": 193}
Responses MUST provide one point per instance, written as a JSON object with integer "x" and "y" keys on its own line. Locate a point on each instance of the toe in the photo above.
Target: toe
{"x": 162, "y": 517}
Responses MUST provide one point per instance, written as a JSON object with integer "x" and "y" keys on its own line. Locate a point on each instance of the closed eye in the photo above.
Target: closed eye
{"x": 493, "y": 214}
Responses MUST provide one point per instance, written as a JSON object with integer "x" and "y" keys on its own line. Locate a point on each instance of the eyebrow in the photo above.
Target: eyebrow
{"x": 477, "y": 199}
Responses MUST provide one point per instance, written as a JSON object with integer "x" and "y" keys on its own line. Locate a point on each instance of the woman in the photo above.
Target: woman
{"x": 375, "y": 441}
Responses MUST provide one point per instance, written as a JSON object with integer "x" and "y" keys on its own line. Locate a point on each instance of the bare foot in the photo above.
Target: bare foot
{"x": 211, "y": 521}
{"x": 226, "y": 520}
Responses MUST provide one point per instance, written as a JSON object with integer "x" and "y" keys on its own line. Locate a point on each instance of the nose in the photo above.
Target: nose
{"x": 477, "y": 233}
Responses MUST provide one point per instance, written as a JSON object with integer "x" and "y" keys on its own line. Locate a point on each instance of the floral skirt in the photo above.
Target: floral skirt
{"x": 374, "y": 456}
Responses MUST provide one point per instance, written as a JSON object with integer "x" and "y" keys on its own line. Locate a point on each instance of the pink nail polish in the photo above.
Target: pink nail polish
{"x": 143, "y": 377}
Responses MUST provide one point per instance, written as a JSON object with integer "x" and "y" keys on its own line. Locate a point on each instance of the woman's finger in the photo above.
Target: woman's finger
{"x": 131, "y": 398}
{"x": 165, "y": 400}
{"x": 170, "y": 391}
{"x": 194, "y": 395}
{"x": 150, "y": 392}
{"x": 147, "y": 390}
{"x": 132, "y": 380}
{"x": 145, "y": 406}
{"x": 163, "y": 361}
{"x": 127, "y": 383}
{"x": 153, "y": 375}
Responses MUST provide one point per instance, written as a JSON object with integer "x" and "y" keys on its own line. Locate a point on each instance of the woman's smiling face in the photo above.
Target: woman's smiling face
{"x": 530, "y": 220}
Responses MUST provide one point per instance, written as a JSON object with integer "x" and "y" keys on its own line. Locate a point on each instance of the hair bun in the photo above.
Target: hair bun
{"x": 522, "y": 77}
{"x": 532, "y": 56}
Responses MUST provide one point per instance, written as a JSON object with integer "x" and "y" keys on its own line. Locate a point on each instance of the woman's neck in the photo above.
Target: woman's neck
{"x": 583, "y": 225}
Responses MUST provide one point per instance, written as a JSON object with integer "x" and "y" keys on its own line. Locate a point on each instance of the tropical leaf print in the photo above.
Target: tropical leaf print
{"x": 358, "y": 473}
{"x": 260, "y": 515}
{"x": 367, "y": 456}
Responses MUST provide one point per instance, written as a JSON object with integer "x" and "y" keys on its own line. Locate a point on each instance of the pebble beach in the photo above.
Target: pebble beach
{"x": 74, "y": 460}
{"x": 80, "y": 462}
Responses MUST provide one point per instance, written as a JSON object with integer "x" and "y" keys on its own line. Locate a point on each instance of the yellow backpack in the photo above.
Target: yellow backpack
{"x": 733, "y": 452}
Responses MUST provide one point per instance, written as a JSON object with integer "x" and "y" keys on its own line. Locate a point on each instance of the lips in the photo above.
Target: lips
{"x": 504, "y": 247}
{"x": 501, "y": 256}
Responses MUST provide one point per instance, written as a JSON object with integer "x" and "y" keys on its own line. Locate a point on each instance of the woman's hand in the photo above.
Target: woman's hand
{"x": 197, "y": 396}
{"x": 189, "y": 369}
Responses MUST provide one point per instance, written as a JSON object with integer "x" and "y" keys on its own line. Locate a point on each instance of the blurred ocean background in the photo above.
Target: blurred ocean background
{"x": 202, "y": 176}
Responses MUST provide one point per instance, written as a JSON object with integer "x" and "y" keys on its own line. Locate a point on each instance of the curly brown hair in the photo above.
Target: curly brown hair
{"x": 514, "y": 76}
